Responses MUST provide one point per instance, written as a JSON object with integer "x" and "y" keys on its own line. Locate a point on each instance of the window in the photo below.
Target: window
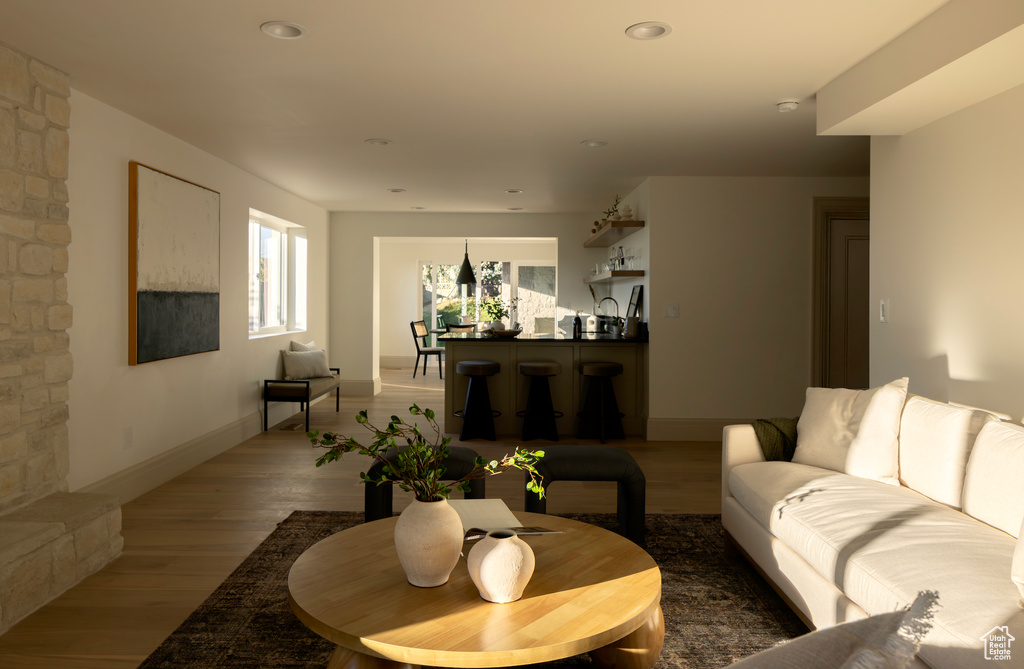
{"x": 533, "y": 283}
{"x": 277, "y": 275}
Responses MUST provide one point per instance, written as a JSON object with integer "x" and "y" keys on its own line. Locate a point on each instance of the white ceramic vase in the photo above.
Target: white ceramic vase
{"x": 501, "y": 565}
{"x": 428, "y": 540}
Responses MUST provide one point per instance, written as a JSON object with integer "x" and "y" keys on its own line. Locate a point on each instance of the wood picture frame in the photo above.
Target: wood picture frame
{"x": 173, "y": 266}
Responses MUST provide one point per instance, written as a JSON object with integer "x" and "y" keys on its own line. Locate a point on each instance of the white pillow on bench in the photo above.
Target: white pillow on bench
{"x": 304, "y": 364}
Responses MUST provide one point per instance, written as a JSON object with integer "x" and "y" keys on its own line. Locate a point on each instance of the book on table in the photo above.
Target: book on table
{"x": 480, "y": 516}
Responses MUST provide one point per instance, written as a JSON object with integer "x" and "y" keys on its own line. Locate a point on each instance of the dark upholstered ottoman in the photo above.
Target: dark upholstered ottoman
{"x": 378, "y": 500}
{"x": 597, "y": 463}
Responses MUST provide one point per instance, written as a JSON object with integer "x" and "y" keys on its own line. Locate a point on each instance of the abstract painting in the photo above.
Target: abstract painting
{"x": 173, "y": 266}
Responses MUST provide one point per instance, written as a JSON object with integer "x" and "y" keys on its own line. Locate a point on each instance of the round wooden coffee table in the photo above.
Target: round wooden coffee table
{"x": 592, "y": 591}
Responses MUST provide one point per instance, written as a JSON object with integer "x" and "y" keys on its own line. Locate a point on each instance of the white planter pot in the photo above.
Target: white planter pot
{"x": 428, "y": 540}
{"x": 501, "y": 565}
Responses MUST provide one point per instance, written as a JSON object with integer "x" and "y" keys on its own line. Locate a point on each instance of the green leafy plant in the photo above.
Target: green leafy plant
{"x": 419, "y": 467}
{"x": 608, "y": 213}
{"x": 496, "y": 308}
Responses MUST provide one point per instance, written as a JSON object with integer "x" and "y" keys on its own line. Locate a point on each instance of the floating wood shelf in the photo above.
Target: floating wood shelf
{"x": 614, "y": 232}
{"x": 614, "y": 274}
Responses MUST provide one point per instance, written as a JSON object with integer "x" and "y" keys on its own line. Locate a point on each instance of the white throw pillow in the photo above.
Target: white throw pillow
{"x": 1017, "y": 569}
{"x": 935, "y": 441}
{"x": 994, "y": 483}
{"x": 304, "y": 364}
{"x": 853, "y": 431}
{"x": 884, "y": 641}
{"x": 297, "y": 346}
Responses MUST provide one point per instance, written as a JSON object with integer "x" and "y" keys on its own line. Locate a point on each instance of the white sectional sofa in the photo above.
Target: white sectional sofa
{"x": 887, "y": 497}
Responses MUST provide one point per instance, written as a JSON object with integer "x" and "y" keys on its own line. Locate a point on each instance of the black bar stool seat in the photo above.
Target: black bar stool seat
{"x": 477, "y": 416}
{"x": 378, "y": 500}
{"x": 596, "y": 463}
{"x": 600, "y": 417}
{"x": 539, "y": 416}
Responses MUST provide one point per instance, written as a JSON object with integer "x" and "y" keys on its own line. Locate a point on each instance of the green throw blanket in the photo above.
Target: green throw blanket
{"x": 777, "y": 437}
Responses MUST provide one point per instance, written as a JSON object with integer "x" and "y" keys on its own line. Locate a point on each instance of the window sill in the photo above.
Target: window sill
{"x": 267, "y": 335}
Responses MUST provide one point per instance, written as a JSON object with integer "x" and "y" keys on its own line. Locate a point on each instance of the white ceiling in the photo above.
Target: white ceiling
{"x": 477, "y": 95}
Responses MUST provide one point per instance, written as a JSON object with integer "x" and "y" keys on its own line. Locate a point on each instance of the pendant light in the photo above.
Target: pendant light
{"x": 466, "y": 272}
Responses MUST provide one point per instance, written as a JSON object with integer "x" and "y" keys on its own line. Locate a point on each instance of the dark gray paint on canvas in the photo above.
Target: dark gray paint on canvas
{"x": 173, "y": 324}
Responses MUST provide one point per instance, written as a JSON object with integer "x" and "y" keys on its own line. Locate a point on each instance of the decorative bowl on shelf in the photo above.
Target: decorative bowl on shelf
{"x": 506, "y": 333}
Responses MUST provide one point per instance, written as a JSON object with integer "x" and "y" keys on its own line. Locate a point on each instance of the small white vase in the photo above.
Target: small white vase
{"x": 428, "y": 540}
{"x": 501, "y": 565}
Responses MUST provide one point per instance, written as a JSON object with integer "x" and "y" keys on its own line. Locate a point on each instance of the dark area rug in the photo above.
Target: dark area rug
{"x": 717, "y": 610}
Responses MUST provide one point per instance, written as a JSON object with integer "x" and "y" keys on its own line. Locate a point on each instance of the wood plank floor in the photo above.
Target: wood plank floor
{"x": 184, "y": 538}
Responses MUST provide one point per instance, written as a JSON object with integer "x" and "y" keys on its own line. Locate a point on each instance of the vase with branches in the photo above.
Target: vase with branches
{"x": 419, "y": 465}
{"x": 429, "y": 532}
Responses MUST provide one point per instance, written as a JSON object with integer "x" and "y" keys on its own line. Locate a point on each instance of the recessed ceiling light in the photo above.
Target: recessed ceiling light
{"x": 787, "y": 106}
{"x": 515, "y": 208}
{"x": 377, "y": 141}
{"x": 396, "y": 190}
{"x": 648, "y": 30}
{"x": 284, "y": 30}
{"x": 594, "y": 143}
{"x": 513, "y": 191}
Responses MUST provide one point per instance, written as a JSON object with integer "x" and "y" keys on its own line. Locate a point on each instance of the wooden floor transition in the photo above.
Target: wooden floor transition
{"x": 183, "y": 538}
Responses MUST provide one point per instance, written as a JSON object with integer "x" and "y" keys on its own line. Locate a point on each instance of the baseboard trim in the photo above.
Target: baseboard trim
{"x": 142, "y": 477}
{"x": 361, "y": 388}
{"x": 688, "y": 429}
{"x": 398, "y": 361}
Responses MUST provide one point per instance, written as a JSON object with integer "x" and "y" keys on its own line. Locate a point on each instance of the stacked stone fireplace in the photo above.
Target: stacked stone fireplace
{"x": 49, "y": 539}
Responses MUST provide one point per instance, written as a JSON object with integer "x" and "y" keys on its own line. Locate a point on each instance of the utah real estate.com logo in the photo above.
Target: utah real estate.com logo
{"x": 997, "y": 643}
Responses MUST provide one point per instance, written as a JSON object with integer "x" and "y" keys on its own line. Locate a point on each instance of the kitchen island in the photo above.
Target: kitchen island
{"x": 508, "y": 389}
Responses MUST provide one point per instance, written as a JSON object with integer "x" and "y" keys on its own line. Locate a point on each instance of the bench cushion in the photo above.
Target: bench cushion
{"x": 317, "y": 386}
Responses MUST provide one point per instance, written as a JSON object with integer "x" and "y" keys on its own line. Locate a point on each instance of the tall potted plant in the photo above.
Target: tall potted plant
{"x": 496, "y": 309}
{"x": 428, "y": 535}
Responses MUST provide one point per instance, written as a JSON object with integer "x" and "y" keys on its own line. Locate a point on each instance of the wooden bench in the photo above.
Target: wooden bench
{"x": 302, "y": 391}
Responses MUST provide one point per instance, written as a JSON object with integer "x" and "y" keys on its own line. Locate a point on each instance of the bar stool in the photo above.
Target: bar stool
{"x": 477, "y": 416}
{"x": 539, "y": 416}
{"x": 600, "y": 416}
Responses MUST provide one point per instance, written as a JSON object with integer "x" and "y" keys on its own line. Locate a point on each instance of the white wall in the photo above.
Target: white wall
{"x": 171, "y": 402}
{"x": 946, "y": 244}
{"x": 735, "y": 254}
{"x": 356, "y": 279}
{"x": 400, "y": 285}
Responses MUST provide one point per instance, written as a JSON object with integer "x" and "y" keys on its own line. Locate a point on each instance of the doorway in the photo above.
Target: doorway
{"x": 841, "y": 307}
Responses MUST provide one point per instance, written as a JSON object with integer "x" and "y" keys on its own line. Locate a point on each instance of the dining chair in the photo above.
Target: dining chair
{"x": 419, "y": 331}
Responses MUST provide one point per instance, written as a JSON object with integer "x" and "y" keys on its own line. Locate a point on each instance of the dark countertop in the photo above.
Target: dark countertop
{"x": 588, "y": 338}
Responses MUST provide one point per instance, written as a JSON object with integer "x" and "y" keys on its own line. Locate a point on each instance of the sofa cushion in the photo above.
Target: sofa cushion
{"x": 881, "y": 545}
{"x": 304, "y": 364}
{"x": 853, "y": 431}
{"x": 935, "y": 442}
{"x": 994, "y": 483}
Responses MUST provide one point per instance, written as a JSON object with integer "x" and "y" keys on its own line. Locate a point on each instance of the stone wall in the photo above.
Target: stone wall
{"x": 35, "y": 363}
{"x": 49, "y": 539}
